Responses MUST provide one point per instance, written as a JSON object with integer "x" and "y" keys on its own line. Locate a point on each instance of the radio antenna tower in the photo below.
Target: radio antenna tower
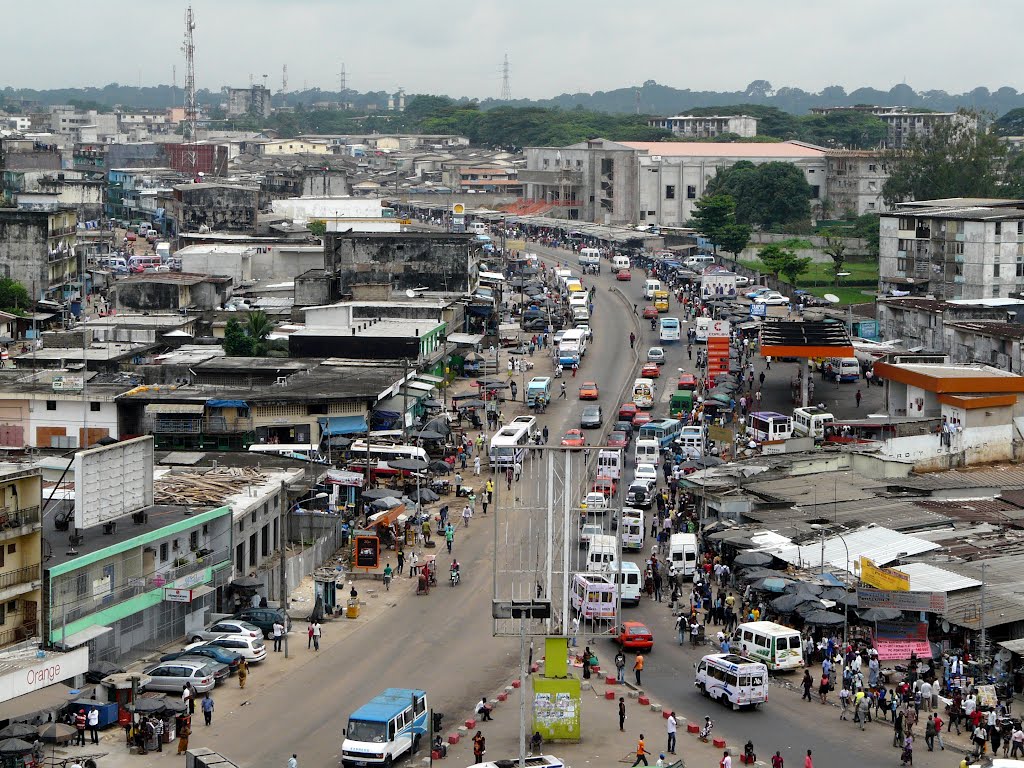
{"x": 343, "y": 79}
{"x": 506, "y": 82}
{"x": 284, "y": 79}
{"x": 191, "y": 112}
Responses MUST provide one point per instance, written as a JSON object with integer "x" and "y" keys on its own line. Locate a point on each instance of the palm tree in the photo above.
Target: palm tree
{"x": 258, "y": 325}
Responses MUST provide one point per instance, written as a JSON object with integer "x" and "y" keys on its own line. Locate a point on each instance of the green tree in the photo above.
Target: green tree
{"x": 854, "y": 130}
{"x": 1010, "y": 124}
{"x": 712, "y": 213}
{"x": 258, "y": 326}
{"x": 779, "y": 260}
{"x": 13, "y": 296}
{"x": 766, "y": 195}
{"x": 835, "y": 247}
{"x": 953, "y": 161}
{"x": 317, "y": 227}
{"x": 866, "y": 227}
{"x": 236, "y": 343}
{"x": 733, "y": 238}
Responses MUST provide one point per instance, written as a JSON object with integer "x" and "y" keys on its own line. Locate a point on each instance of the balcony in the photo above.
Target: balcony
{"x": 219, "y": 425}
{"x": 62, "y": 231}
{"x": 11, "y": 519}
{"x": 555, "y": 177}
{"x": 26, "y": 575}
{"x": 175, "y": 426}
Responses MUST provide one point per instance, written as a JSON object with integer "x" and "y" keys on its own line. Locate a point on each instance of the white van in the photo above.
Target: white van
{"x": 609, "y": 463}
{"x": 733, "y": 680}
{"x": 631, "y": 528}
{"x": 811, "y": 422}
{"x": 682, "y": 554}
{"x": 699, "y": 261}
{"x": 577, "y": 337}
{"x": 620, "y": 262}
{"x": 477, "y": 228}
{"x": 589, "y": 257}
{"x": 628, "y": 579}
{"x": 848, "y": 368}
{"x": 691, "y": 440}
{"x": 581, "y": 314}
{"x": 601, "y": 550}
{"x": 650, "y": 286}
{"x": 646, "y": 451}
{"x": 593, "y": 596}
{"x": 777, "y": 646}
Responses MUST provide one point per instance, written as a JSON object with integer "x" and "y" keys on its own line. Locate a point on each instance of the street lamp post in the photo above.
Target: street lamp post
{"x": 846, "y": 549}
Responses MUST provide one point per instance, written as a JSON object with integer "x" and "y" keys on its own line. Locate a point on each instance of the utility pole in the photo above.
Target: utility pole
{"x": 983, "y": 635}
{"x": 282, "y": 540}
{"x": 405, "y": 398}
{"x": 343, "y": 80}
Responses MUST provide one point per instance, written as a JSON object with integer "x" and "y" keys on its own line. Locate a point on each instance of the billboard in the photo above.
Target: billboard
{"x": 883, "y": 578}
{"x": 113, "y": 481}
{"x": 933, "y": 602}
{"x": 895, "y": 640}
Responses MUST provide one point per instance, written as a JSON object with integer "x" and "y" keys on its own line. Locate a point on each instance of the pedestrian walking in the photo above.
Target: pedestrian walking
{"x": 622, "y": 713}
{"x": 189, "y": 697}
{"x": 929, "y": 733}
{"x": 641, "y": 752}
{"x": 807, "y": 684}
{"x": 278, "y": 633}
{"x": 316, "y": 635}
{"x": 466, "y": 514}
{"x": 449, "y": 537}
{"x": 632, "y": 340}
{"x": 183, "y": 734}
{"x": 726, "y": 761}
{"x": 858, "y": 397}
{"x": 387, "y": 577}
{"x": 518, "y": 469}
{"x": 458, "y": 484}
{"x": 401, "y": 561}
{"x": 620, "y": 667}
{"x": 638, "y": 667}
{"x": 207, "y": 706}
{"x": 476, "y": 465}
{"x": 670, "y": 727}
{"x": 479, "y": 747}
{"x": 293, "y": 761}
{"x": 243, "y": 673}
{"x": 309, "y": 636}
{"x": 808, "y": 761}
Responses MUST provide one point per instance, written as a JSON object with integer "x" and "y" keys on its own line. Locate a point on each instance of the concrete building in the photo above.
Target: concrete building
{"x": 953, "y": 249}
{"x": 985, "y": 341}
{"x": 905, "y": 124}
{"x": 21, "y": 573}
{"x": 417, "y": 341}
{"x": 38, "y": 248}
{"x": 66, "y": 120}
{"x": 853, "y": 182}
{"x": 274, "y": 147}
{"x": 465, "y": 176}
{"x": 29, "y": 153}
{"x": 267, "y": 262}
{"x": 920, "y": 322}
{"x": 707, "y": 126}
{"x": 212, "y": 207}
{"x": 437, "y": 261}
{"x": 171, "y": 292}
{"x": 254, "y": 101}
{"x": 649, "y": 182}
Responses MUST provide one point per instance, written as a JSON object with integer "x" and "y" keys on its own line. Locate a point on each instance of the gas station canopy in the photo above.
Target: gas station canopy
{"x": 805, "y": 339}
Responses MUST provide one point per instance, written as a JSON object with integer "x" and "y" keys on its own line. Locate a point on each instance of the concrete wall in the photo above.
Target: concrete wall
{"x": 221, "y": 208}
{"x": 147, "y": 297}
{"x": 437, "y": 261}
{"x": 980, "y": 445}
{"x": 66, "y": 418}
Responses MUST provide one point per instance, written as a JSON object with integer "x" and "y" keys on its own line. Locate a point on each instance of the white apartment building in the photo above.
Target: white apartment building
{"x": 853, "y": 182}
{"x": 957, "y": 248}
{"x": 707, "y": 126}
{"x": 904, "y": 123}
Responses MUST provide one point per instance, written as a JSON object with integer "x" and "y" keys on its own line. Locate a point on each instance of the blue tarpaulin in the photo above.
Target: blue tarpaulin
{"x": 226, "y": 404}
{"x": 341, "y": 425}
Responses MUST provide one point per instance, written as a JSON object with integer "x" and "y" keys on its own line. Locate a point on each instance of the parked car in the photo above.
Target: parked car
{"x": 252, "y": 649}
{"x": 757, "y": 292}
{"x": 656, "y": 355}
{"x": 226, "y": 627}
{"x": 773, "y": 298}
{"x": 175, "y": 675}
{"x": 264, "y": 619}
{"x": 591, "y": 417}
{"x": 211, "y": 652}
{"x": 635, "y": 636}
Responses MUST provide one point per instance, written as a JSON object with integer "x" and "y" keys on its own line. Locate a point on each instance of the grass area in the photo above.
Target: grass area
{"x": 818, "y": 279}
{"x": 847, "y": 295}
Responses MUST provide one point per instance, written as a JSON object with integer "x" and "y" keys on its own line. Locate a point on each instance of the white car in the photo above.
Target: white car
{"x": 646, "y": 472}
{"x": 586, "y": 330}
{"x": 595, "y": 502}
{"x": 252, "y": 649}
{"x": 588, "y": 530}
{"x": 742, "y": 281}
{"x": 656, "y": 355}
{"x": 225, "y": 627}
{"x": 772, "y": 298}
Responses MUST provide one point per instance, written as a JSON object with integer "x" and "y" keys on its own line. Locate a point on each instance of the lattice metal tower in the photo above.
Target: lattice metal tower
{"x": 343, "y": 79}
{"x": 191, "y": 111}
{"x": 284, "y": 79}
{"x": 506, "y": 81}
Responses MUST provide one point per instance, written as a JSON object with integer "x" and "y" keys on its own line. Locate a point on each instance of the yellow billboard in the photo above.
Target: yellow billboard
{"x": 883, "y": 578}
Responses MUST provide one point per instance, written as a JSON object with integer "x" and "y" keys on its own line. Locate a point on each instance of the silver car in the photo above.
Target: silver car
{"x": 656, "y": 355}
{"x": 225, "y": 627}
{"x": 175, "y": 675}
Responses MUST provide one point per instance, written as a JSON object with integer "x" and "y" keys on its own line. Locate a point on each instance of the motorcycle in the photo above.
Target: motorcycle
{"x": 454, "y": 577}
{"x": 705, "y": 731}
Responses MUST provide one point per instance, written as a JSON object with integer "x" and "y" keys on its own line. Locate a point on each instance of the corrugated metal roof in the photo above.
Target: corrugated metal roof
{"x": 925, "y": 577}
{"x": 881, "y": 545}
{"x": 896, "y": 514}
{"x": 1006, "y": 476}
{"x": 1004, "y": 603}
{"x": 998, "y": 511}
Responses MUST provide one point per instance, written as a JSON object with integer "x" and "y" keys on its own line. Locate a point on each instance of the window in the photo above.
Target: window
{"x": 652, "y": 213}
{"x": 11, "y": 549}
{"x": 241, "y": 525}
{"x": 1020, "y": 266}
{"x": 872, "y": 167}
{"x": 1020, "y": 228}
{"x": 164, "y": 552}
{"x": 815, "y": 191}
{"x": 995, "y": 291}
{"x": 995, "y": 270}
{"x": 193, "y": 540}
{"x": 871, "y": 206}
{"x": 670, "y": 191}
{"x": 51, "y": 405}
{"x": 691, "y": 192}
{"x": 901, "y": 264}
{"x": 958, "y": 249}
{"x": 95, "y": 407}
{"x": 999, "y": 227}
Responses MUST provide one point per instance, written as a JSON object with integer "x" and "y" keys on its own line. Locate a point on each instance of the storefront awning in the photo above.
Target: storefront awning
{"x": 83, "y": 637}
{"x": 465, "y": 339}
{"x": 50, "y": 697}
{"x": 430, "y": 377}
{"x": 155, "y": 408}
{"x": 420, "y": 385}
{"x": 342, "y": 425}
{"x": 227, "y": 404}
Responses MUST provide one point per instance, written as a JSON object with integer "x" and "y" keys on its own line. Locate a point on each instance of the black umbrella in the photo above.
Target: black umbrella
{"x": 439, "y": 467}
{"x": 247, "y": 582}
{"x": 439, "y": 424}
{"x": 492, "y": 384}
{"x": 770, "y": 584}
{"x": 14, "y": 747}
{"x": 843, "y": 598}
{"x": 788, "y": 603}
{"x": 388, "y": 502}
{"x": 823, "y": 618}
{"x": 870, "y": 614}
{"x": 428, "y": 434}
{"x": 56, "y": 732}
{"x": 175, "y": 705}
{"x": 752, "y": 559}
{"x": 18, "y": 731}
{"x": 809, "y": 605}
{"x": 806, "y": 587}
{"x": 147, "y": 705}
{"x": 410, "y": 465}
{"x": 754, "y": 572}
{"x": 472, "y": 403}
{"x": 424, "y": 496}
{"x": 431, "y": 403}
{"x": 378, "y": 493}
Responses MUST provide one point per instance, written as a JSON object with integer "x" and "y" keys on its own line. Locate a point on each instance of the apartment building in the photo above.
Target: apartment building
{"x": 20, "y": 552}
{"x": 853, "y": 182}
{"x": 37, "y": 241}
{"x": 905, "y": 124}
{"x": 957, "y": 248}
{"x": 707, "y": 126}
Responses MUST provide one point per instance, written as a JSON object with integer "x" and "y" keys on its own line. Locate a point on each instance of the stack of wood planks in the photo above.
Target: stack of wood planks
{"x": 208, "y": 488}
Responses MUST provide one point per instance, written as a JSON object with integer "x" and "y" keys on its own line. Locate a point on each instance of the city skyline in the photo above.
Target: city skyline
{"x": 552, "y": 49}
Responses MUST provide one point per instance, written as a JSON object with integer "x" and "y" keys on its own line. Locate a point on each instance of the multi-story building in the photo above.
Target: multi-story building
{"x": 707, "y": 126}
{"x": 66, "y": 120}
{"x": 38, "y": 248}
{"x": 904, "y": 124}
{"x": 465, "y": 176}
{"x": 20, "y": 552}
{"x": 212, "y": 207}
{"x": 634, "y": 182}
{"x": 957, "y": 248}
{"x": 254, "y": 100}
{"x": 853, "y": 182}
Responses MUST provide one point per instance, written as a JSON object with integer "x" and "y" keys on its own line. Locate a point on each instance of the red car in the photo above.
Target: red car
{"x": 606, "y": 485}
{"x": 624, "y": 275}
{"x": 650, "y": 371}
{"x": 640, "y": 418}
{"x": 627, "y": 410}
{"x": 573, "y": 439}
{"x": 687, "y": 381}
{"x": 618, "y": 440}
{"x": 650, "y": 312}
{"x": 635, "y": 636}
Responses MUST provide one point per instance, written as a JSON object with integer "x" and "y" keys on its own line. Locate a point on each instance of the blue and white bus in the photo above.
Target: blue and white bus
{"x": 510, "y": 444}
{"x": 664, "y": 431}
{"x": 385, "y": 728}
{"x": 669, "y": 330}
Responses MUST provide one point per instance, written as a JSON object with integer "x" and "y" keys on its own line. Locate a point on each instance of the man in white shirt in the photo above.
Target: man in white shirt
{"x": 926, "y": 696}
{"x": 726, "y": 760}
{"x": 670, "y": 726}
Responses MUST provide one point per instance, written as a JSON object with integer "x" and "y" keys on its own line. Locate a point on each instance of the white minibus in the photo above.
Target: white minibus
{"x": 628, "y": 578}
{"x": 777, "y": 646}
{"x": 769, "y": 426}
{"x": 631, "y": 528}
{"x": 620, "y": 262}
{"x": 646, "y": 451}
{"x": 643, "y": 393}
{"x": 682, "y": 554}
{"x": 601, "y": 551}
{"x": 733, "y": 680}
{"x": 811, "y": 422}
{"x": 650, "y": 286}
{"x": 609, "y": 463}
{"x": 593, "y": 596}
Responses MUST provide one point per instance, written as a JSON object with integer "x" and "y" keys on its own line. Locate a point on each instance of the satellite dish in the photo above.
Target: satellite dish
{"x": 945, "y": 626}
{"x": 831, "y": 298}
{"x": 410, "y": 293}
{"x": 1004, "y": 655}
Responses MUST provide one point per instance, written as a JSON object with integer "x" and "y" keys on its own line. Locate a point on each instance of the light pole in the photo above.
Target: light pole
{"x": 846, "y": 549}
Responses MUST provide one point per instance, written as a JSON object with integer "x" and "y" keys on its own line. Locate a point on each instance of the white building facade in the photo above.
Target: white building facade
{"x": 707, "y": 126}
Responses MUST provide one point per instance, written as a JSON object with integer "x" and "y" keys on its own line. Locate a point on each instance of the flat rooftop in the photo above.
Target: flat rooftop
{"x": 788, "y": 149}
{"x": 384, "y": 328}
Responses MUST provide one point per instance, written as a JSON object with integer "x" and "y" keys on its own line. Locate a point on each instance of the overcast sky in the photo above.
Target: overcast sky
{"x": 554, "y": 46}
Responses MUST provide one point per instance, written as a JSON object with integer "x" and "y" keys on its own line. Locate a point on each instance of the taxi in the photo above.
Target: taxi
{"x": 650, "y": 312}
{"x": 687, "y": 381}
{"x": 627, "y": 411}
{"x": 634, "y": 636}
{"x": 589, "y": 391}
{"x": 618, "y": 440}
{"x": 624, "y": 275}
{"x": 640, "y": 418}
{"x": 573, "y": 439}
{"x": 608, "y": 486}
{"x": 650, "y": 371}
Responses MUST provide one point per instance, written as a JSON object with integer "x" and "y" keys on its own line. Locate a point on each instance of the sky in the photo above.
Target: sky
{"x": 554, "y": 46}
